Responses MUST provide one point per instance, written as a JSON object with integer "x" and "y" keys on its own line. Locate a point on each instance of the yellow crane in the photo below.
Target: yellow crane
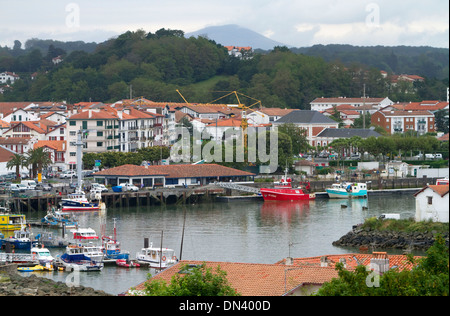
{"x": 244, "y": 108}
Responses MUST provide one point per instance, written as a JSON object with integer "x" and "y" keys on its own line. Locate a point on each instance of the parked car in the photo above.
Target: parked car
{"x": 68, "y": 174}
{"x": 97, "y": 186}
{"x": 43, "y": 187}
{"x": 30, "y": 184}
{"x": 129, "y": 187}
{"x": 17, "y": 187}
{"x": 438, "y": 156}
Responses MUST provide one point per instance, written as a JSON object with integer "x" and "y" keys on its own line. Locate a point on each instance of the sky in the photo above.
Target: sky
{"x": 292, "y": 22}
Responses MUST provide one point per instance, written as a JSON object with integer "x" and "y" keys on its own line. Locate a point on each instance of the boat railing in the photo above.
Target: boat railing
{"x": 16, "y": 257}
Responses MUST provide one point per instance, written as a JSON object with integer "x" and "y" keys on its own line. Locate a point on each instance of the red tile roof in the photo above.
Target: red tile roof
{"x": 253, "y": 279}
{"x": 439, "y": 189}
{"x": 175, "y": 171}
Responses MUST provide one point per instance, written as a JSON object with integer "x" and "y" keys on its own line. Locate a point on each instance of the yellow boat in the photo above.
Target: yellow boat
{"x": 11, "y": 222}
{"x": 31, "y": 269}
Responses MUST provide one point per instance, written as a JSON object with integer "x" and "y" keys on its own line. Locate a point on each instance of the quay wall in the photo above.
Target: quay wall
{"x": 40, "y": 201}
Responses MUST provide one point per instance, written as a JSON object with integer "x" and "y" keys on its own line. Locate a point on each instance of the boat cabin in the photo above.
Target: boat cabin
{"x": 11, "y": 222}
{"x": 84, "y": 234}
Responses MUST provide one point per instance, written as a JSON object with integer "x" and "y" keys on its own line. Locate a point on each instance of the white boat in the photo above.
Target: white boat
{"x": 347, "y": 190}
{"x": 93, "y": 252}
{"x": 82, "y": 258}
{"x": 157, "y": 258}
{"x": 42, "y": 255}
{"x": 84, "y": 234}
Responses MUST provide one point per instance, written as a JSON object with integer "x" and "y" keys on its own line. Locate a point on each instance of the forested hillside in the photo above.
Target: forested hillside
{"x": 155, "y": 65}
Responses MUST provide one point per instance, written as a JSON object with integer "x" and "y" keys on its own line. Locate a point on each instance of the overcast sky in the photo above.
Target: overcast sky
{"x": 292, "y": 22}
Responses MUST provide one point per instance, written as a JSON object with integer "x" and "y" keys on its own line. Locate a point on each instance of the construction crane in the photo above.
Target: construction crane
{"x": 244, "y": 108}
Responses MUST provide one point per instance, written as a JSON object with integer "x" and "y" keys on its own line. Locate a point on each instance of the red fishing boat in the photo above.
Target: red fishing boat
{"x": 284, "y": 191}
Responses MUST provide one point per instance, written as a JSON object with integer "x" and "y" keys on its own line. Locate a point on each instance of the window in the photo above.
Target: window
{"x": 72, "y": 154}
{"x": 84, "y": 124}
{"x": 72, "y": 123}
{"x": 430, "y": 200}
{"x": 99, "y": 134}
{"x": 99, "y": 123}
{"x": 99, "y": 144}
{"x": 73, "y": 133}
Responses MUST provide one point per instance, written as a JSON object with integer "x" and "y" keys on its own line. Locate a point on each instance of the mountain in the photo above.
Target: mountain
{"x": 235, "y": 35}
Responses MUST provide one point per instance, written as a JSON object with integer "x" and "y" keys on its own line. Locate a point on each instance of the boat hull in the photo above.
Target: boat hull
{"x": 286, "y": 195}
{"x": 71, "y": 206}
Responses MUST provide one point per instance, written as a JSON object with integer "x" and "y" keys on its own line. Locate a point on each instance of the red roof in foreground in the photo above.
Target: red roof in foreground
{"x": 257, "y": 279}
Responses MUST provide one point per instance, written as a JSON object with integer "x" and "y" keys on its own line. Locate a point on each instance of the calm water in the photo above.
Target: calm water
{"x": 252, "y": 232}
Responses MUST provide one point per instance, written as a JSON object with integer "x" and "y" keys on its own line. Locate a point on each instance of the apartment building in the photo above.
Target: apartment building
{"x": 399, "y": 121}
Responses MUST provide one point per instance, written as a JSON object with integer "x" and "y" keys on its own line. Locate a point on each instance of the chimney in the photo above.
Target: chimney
{"x": 324, "y": 262}
{"x": 344, "y": 262}
{"x": 289, "y": 261}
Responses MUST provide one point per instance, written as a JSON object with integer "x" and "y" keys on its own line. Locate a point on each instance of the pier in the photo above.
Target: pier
{"x": 39, "y": 203}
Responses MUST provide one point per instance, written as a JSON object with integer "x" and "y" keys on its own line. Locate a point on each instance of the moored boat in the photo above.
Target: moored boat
{"x": 58, "y": 219}
{"x": 127, "y": 263}
{"x": 11, "y": 222}
{"x": 347, "y": 190}
{"x": 284, "y": 191}
{"x": 157, "y": 258}
{"x": 84, "y": 234}
{"x": 20, "y": 240}
{"x": 77, "y": 201}
{"x": 111, "y": 247}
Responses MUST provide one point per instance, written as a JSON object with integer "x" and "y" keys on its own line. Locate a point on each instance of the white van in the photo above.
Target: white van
{"x": 30, "y": 184}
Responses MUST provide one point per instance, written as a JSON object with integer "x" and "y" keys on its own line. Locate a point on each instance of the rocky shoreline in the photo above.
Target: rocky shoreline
{"x": 365, "y": 237}
{"x": 14, "y": 284}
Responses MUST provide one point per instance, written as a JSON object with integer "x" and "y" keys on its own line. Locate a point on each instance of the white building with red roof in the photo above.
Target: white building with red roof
{"x": 432, "y": 203}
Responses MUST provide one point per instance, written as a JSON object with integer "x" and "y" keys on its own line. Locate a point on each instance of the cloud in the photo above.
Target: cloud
{"x": 292, "y": 22}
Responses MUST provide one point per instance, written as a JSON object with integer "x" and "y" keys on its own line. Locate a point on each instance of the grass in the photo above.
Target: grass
{"x": 405, "y": 225}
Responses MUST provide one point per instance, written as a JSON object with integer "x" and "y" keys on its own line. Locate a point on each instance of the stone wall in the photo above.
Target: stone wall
{"x": 387, "y": 239}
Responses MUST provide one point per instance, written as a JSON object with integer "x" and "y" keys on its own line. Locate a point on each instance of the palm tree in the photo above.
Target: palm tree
{"x": 38, "y": 159}
{"x": 17, "y": 161}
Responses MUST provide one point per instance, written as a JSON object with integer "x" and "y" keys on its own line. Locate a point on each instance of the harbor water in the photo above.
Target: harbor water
{"x": 250, "y": 232}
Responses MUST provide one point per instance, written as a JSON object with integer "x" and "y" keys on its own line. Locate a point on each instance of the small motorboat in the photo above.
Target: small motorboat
{"x": 157, "y": 258}
{"x": 31, "y": 269}
{"x": 347, "y": 190}
{"x": 127, "y": 263}
{"x": 56, "y": 218}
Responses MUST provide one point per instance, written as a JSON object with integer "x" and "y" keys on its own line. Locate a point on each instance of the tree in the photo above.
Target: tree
{"x": 196, "y": 281}
{"x": 39, "y": 159}
{"x": 17, "y": 162}
{"x": 300, "y": 143}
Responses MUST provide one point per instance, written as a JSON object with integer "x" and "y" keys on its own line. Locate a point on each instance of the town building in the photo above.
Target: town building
{"x": 432, "y": 204}
{"x": 56, "y": 150}
{"x": 328, "y": 135}
{"x": 8, "y": 77}
{"x": 171, "y": 175}
{"x": 323, "y": 104}
{"x": 312, "y": 121}
{"x": 399, "y": 121}
{"x": 240, "y": 52}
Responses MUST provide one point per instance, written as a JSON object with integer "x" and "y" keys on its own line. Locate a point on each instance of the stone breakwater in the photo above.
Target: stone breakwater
{"x": 14, "y": 284}
{"x": 359, "y": 237}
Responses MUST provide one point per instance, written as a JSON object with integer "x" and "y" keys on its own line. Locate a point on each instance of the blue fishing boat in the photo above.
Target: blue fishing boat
{"x": 111, "y": 247}
{"x": 56, "y": 218}
{"x": 78, "y": 258}
{"x": 347, "y": 190}
{"x": 20, "y": 240}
